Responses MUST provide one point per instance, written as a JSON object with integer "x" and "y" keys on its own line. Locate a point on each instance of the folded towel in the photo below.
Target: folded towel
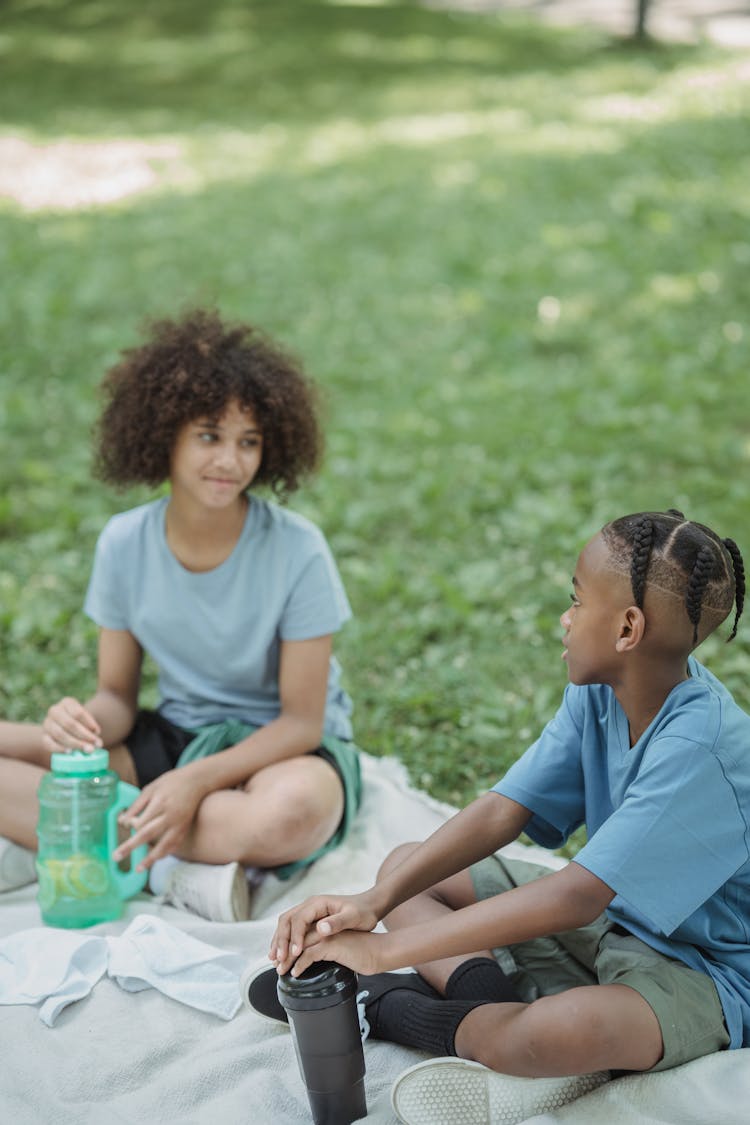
{"x": 53, "y": 968}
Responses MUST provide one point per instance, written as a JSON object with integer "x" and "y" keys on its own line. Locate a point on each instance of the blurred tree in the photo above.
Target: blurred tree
{"x": 640, "y": 26}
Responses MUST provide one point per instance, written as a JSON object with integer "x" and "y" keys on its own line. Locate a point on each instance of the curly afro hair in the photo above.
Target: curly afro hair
{"x": 193, "y": 367}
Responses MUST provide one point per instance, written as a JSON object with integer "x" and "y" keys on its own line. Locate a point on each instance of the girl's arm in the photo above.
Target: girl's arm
{"x": 303, "y": 685}
{"x": 562, "y": 900}
{"x": 107, "y": 718}
{"x": 489, "y": 823}
{"x": 162, "y": 813}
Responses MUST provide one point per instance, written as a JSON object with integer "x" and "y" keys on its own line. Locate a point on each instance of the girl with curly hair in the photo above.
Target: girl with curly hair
{"x": 248, "y": 760}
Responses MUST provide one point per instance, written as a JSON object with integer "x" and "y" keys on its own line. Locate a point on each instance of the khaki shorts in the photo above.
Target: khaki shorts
{"x": 685, "y": 1001}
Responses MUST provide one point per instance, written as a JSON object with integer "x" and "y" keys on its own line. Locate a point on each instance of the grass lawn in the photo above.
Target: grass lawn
{"x": 517, "y": 259}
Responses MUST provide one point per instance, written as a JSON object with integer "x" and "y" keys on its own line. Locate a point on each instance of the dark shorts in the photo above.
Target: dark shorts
{"x": 685, "y": 1001}
{"x": 156, "y": 744}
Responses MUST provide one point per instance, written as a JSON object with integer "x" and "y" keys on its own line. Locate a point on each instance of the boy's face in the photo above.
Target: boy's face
{"x": 593, "y": 622}
{"x": 215, "y": 459}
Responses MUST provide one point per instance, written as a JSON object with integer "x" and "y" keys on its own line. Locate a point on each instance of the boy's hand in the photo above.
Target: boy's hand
{"x": 364, "y": 953}
{"x": 316, "y": 919}
{"x": 69, "y": 726}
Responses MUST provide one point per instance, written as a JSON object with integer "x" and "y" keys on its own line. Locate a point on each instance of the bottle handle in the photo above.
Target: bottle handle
{"x": 128, "y": 882}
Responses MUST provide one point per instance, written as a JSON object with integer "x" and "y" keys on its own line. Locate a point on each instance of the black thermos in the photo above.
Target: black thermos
{"x": 321, "y": 1004}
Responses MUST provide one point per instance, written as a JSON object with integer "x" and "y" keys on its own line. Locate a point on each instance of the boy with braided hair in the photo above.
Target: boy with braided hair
{"x": 635, "y": 955}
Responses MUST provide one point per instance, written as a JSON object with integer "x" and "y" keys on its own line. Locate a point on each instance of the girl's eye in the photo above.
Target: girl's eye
{"x": 206, "y": 436}
{"x": 574, "y": 600}
{"x": 251, "y": 443}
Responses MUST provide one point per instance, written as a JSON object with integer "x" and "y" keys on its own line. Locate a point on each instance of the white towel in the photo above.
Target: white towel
{"x": 50, "y": 967}
{"x": 53, "y": 968}
{"x": 153, "y": 953}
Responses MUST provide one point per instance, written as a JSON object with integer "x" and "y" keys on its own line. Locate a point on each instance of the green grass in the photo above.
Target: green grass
{"x": 516, "y": 259}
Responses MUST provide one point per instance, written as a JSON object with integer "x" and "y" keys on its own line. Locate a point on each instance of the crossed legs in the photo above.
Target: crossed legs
{"x": 283, "y": 813}
{"x": 586, "y": 1029}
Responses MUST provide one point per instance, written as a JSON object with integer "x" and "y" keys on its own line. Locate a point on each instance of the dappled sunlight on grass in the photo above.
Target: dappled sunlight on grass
{"x": 517, "y": 262}
{"x": 69, "y": 174}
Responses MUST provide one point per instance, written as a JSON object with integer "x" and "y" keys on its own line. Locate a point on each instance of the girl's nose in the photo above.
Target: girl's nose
{"x": 226, "y": 454}
{"x": 565, "y": 619}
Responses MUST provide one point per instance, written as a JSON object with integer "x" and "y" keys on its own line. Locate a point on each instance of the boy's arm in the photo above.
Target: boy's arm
{"x": 562, "y": 900}
{"x": 481, "y": 828}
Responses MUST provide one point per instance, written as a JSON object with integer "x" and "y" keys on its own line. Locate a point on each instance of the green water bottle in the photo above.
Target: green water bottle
{"x": 79, "y": 801}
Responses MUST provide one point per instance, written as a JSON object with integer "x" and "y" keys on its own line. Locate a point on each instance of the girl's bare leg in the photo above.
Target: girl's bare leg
{"x": 284, "y": 813}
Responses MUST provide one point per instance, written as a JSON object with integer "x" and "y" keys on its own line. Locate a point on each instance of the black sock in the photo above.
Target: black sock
{"x": 414, "y": 1020}
{"x": 481, "y": 978}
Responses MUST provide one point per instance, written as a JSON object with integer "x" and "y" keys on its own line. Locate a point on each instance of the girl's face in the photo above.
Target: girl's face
{"x": 215, "y": 459}
{"x": 593, "y": 622}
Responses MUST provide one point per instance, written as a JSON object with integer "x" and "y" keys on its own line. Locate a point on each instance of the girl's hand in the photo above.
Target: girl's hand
{"x": 161, "y": 816}
{"x": 69, "y": 726}
{"x": 319, "y": 918}
{"x": 364, "y": 953}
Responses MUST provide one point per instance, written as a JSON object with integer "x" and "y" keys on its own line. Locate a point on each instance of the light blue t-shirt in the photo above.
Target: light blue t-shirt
{"x": 215, "y": 636}
{"x": 668, "y": 821}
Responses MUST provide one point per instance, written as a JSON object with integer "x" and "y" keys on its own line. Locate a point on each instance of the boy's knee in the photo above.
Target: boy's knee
{"x": 394, "y": 858}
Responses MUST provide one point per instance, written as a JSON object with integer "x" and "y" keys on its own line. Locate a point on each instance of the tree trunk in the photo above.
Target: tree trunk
{"x": 640, "y": 26}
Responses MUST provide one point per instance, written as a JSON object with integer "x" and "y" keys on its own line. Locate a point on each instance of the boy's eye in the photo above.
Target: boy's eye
{"x": 574, "y": 600}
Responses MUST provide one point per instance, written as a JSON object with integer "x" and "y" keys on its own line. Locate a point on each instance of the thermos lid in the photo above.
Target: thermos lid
{"x": 324, "y": 979}
{"x": 80, "y": 763}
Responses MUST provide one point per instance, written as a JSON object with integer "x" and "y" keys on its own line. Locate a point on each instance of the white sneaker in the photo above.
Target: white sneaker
{"x": 452, "y": 1091}
{"x": 218, "y": 892}
{"x": 17, "y": 865}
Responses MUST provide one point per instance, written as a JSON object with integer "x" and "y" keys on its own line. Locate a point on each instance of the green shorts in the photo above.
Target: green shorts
{"x": 157, "y": 745}
{"x": 684, "y": 1001}
{"x": 344, "y": 757}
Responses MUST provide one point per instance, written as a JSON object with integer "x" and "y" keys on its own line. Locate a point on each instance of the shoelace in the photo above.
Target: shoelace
{"x": 364, "y": 1026}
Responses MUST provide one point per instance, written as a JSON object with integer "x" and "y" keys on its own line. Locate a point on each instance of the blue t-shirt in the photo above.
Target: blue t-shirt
{"x": 215, "y": 636}
{"x": 668, "y": 821}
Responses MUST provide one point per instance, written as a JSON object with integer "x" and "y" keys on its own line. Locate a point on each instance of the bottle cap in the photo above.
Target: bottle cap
{"x": 80, "y": 763}
{"x": 320, "y": 985}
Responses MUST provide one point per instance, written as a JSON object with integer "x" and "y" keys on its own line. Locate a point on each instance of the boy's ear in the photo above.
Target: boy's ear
{"x": 632, "y": 628}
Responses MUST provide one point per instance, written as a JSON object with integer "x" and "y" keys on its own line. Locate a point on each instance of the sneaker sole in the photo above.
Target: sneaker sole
{"x": 458, "y": 1092}
{"x": 239, "y": 895}
{"x": 246, "y": 980}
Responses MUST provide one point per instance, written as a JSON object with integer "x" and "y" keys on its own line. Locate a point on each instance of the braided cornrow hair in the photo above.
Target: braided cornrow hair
{"x": 703, "y": 569}
{"x": 643, "y": 540}
{"x": 681, "y": 557}
{"x": 739, "y": 582}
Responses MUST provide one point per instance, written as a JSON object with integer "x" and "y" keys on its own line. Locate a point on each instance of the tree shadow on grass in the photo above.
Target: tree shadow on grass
{"x": 88, "y": 66}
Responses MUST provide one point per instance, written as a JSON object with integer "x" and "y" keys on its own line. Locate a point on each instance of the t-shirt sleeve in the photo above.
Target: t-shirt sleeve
{"x": 548, "y": 778}
{"x": 678, "y": 836}
{"x": 106, "y": 601}
{"x": 317, "y": 603}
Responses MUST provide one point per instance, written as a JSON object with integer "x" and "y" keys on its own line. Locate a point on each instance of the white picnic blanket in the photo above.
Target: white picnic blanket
{"x": 143, "y": 1058}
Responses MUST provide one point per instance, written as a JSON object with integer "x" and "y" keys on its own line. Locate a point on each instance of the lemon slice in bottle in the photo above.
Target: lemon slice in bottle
{"x": 48, "y": 885}
{"x": 84, "y": 877}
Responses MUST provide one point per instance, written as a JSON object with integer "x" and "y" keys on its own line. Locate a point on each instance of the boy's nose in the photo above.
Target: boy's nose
{"x": 565, "y": 619}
